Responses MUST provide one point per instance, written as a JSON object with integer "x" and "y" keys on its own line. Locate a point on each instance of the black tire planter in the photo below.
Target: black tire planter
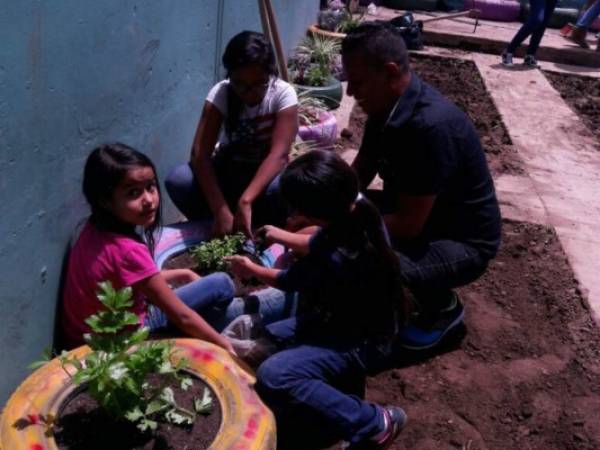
{"x": 331, "y": 94}
{"x": 560, "y": 17}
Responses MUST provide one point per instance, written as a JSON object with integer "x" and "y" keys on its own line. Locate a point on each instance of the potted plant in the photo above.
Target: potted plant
{"x": 318, "y": 127}
{"x": 336, "y": 20}
{"x": 122, "y": 390}
{"x": 313, "y": 66}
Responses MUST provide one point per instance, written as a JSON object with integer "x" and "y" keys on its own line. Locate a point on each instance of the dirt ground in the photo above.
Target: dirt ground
{"x": 525, "y": 371}
{"x": 582, "y": 94}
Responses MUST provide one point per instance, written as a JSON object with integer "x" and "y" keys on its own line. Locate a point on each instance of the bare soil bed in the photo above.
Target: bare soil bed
{"x": 582, "y": 94}
{"x": 460, "y": 81}
{"x": 527, "y": 373}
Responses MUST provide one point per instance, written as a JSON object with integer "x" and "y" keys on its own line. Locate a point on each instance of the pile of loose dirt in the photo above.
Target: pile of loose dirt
{"x": 527, "y": 374}
{"x": 582, "y": 94}
{"x": 460, "y": 81}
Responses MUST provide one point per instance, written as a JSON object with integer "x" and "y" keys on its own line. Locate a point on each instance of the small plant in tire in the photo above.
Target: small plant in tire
{"x": 209, "y": 255}
{"x": 116, "y": 372}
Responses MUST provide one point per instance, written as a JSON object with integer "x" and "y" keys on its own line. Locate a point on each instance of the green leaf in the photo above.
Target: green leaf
{"x": 204, "y": 405}
{"x": 168, "y": 396}
{"x": 186, "y": 383}
{"x": 46, "y": 356}
{"x": 179, "y": 418}
{"x": 134, "y": 415}
{"x": 146, "y": 424}
{"x": 155, "y": 406}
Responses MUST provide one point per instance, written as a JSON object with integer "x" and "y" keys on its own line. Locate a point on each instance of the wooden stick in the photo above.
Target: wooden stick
{"x": 272, "y": 32}
{"x": 472, "y": 13}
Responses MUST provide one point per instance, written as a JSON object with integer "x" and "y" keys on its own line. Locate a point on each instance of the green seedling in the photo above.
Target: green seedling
{"x": 209, "y": 255}
{"x": 116, "y": 371}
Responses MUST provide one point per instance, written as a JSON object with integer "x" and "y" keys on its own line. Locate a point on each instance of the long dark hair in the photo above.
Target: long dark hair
{"x": 244, "y": 49}
{"x": 321, "y": 185}
{"x": 104, "y": 169}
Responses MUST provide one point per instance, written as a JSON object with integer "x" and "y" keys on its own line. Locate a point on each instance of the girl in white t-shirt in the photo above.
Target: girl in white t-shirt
{"x": 241, "y": 144}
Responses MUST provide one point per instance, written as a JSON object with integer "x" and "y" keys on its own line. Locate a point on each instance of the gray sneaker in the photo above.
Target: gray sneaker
{"x": 530, "y": 61}
{"x": 507, "y": 59}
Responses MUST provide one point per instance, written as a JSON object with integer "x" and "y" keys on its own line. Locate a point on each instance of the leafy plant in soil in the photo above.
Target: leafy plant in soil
{"x": 116, "y": 371}
{"x": 315, "y": 61}
{"x": 209, "y": 255}
{"x": 309, "y": 108}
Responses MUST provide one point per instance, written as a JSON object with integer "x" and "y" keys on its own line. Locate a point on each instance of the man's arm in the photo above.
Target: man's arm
{"x": 408, "y": 220}
{"x": 365, "y": 168}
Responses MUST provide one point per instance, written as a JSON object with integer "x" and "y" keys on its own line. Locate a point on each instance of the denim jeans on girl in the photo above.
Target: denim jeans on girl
{"x": 588, "y": 17}
{"x": 213, "y": 298}
{"x": 535, "y": 25}
{"x": 233, "y": 178}
{"x": 315, "y": 388}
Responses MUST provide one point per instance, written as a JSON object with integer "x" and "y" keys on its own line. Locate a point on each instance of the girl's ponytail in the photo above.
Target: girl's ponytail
{"x": 366, "y": 217}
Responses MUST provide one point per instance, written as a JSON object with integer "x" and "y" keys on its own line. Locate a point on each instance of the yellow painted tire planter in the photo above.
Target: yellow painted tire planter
{"x": 247, "y": 424}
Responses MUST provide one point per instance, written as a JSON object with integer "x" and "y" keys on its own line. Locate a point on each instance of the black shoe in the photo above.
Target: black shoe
{"x": 427, "y": 331}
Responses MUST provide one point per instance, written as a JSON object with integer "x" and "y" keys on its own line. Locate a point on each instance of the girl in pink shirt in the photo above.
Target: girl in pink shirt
{"x": 121, "y": 186}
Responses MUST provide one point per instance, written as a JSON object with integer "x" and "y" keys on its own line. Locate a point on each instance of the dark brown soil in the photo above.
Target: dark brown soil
{"x": 527, "y": 374}
{"x": 460, "y": 81}
{"x": 82, "y": 425}
{"x": 582, "y": 94}
{"x": 185, "y": 261}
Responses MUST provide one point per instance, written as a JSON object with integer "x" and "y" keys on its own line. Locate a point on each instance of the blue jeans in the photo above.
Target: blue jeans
{"x": 589, "y": 15}
{"x": 233, "y": 178}
{"x": 315, "y": 389}
{"x": 213, "y": 298}
{"x": 431, "y": 269}
{"x": 539, "y": 15}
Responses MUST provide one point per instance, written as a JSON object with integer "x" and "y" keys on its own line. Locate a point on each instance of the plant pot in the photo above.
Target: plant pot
{"x": 331, "y": 94}
{"x": 246, "y": 422}
{"x": 314, "y": 29}
{"x": 178, "y": 237}
{"x": 324, "y": 132}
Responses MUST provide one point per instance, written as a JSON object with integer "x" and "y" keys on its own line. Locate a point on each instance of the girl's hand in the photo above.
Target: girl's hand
{"x": 241, "y": 266}
{"x": 243, "y": 218}
{"x": 269, "y": 235}
{"x": 223, "y": 223}
{"x": 179, "y": 276}
{"x": 226, "y": 344}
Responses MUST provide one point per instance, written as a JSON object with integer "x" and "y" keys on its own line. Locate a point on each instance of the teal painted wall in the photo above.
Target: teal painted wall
{"x": 76, "y": 73}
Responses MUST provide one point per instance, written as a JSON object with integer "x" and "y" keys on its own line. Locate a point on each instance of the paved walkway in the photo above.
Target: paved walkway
{"x": 562, "y": 183}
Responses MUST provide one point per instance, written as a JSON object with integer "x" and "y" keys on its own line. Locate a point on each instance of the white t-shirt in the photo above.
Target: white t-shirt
{"x": 255, "y": 124}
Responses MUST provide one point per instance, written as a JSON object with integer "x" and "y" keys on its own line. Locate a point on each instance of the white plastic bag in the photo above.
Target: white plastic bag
{"x": 246, "y": 334}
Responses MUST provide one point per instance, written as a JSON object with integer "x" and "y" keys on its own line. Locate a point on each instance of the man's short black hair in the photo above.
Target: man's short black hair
{"x": 380, "y": 43}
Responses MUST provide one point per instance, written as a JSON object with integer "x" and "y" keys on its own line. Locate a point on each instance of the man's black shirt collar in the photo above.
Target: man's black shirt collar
{"x": 405, "y": 105}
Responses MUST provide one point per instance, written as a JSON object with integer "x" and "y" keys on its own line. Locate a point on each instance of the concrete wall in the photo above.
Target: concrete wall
{"x": 73, "y": 74}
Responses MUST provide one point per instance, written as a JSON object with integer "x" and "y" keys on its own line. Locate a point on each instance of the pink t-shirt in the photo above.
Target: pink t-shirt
{"x": 101, "y": 256}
